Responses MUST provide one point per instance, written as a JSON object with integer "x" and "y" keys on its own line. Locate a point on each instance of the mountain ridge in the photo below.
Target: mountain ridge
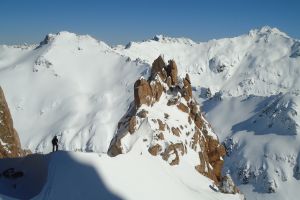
{"x": 247, "y": 87}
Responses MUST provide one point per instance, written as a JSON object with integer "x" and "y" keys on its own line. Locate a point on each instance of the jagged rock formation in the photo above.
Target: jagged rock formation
{"x": 9, "y": 140}
{"x": 164, "y": 105}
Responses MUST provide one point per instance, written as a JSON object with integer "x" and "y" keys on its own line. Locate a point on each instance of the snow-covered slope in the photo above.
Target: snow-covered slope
{"x": 136, "y": 175}
{"x": 255, "y": 85}
{"x": 72, "y": 86}
{"x": 262, "y": 62}
{"x": 79, "y": 88}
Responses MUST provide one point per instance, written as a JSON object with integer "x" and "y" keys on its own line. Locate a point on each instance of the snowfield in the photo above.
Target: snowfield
{"x": 79, "y": 88}
{"x": 136, "y": 175}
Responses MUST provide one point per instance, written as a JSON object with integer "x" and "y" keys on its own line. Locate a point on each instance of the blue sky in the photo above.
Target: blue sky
{"x": 121, "y": 21}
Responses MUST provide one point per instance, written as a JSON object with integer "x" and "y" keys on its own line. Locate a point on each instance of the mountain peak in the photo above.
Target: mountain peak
{"x": 66, "y": 38}
{"x": 166, "y": 39}
{"x": 267, "y": 30}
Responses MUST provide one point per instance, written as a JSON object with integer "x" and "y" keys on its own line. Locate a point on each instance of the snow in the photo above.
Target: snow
{"x": 79, "y": 88}
{"x": 254, "y": 110}
{"x": 136, "y": 175}
{"x": 253, "y": 64}
{"x": 79, "y": 96}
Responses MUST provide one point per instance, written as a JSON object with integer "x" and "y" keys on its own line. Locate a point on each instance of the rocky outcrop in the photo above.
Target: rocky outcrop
{"x": 9, "y": 140}
{"x": 172, "y": 72}
{"x": 142, "y": 93}
{"x": 173, "y": 138}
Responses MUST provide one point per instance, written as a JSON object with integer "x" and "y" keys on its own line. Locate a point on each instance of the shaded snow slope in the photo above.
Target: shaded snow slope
{"x": 135, "y": 175}
{"x": 69, "y": 85}
{"x": 261, "y": 135}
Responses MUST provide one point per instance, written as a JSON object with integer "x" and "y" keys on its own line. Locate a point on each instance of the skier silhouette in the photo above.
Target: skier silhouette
{"x": 55, "y": 143}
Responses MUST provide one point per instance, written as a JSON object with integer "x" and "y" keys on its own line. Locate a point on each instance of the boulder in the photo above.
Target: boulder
{"x": 155, "y": 150}
{"x": 183, "y": 108}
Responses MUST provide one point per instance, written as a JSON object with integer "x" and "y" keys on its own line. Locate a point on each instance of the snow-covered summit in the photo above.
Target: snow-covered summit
{"x": 267, "y": 30}
{"x": 65, "y": 38}
{"x": 165, "y": 39}
{"x": 264, "y": 62}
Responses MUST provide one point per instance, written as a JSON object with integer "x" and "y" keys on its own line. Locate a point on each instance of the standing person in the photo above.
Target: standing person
{"x": 54, "y": 143}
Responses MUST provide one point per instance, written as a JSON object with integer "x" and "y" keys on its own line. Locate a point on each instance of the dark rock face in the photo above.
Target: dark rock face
{"x": 195, "y": 131}
{"x": 172, "y": 72}
{"x": 158, "y": 68}
{"x": 9, "y": 140}
{"x": 187, "y": 89}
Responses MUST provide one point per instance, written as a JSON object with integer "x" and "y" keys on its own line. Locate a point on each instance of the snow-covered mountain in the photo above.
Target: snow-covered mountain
{"x": 247, "y": 86}
{"x": 249, "y": 89}
{"x": 72, "y": 86}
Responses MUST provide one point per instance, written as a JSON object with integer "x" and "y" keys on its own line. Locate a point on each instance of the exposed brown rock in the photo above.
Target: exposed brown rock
{"x": 161, "y": 125}
{"x": 9, "y": 140}
{"x": 161, "y": 136}
{"x": 217, "y": 169}
{"x": 142, "y": 93}
{"x": 169, "y": 81}
{"x": 183, "y": 108}
{"x": 215, "y": 152}
{"x": 201, "y": 167}
{"x": 158, "y": 68}
{"x": 174, "y": 149}
{"x": 187, "y": 88}
{"x": 132, "y": 125}
{"x": 196, "y": 139}
{"x": 172, "y": 72}
{"x": 115, "y": 147}
{"x": 155, "y": 150}
{"x": 176, "y": 131}
{"x": 198, "y": 121}
{"x": 157, "y": 89}
{"x": 148, "y": 92}
{"x": 194, "y": 109}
